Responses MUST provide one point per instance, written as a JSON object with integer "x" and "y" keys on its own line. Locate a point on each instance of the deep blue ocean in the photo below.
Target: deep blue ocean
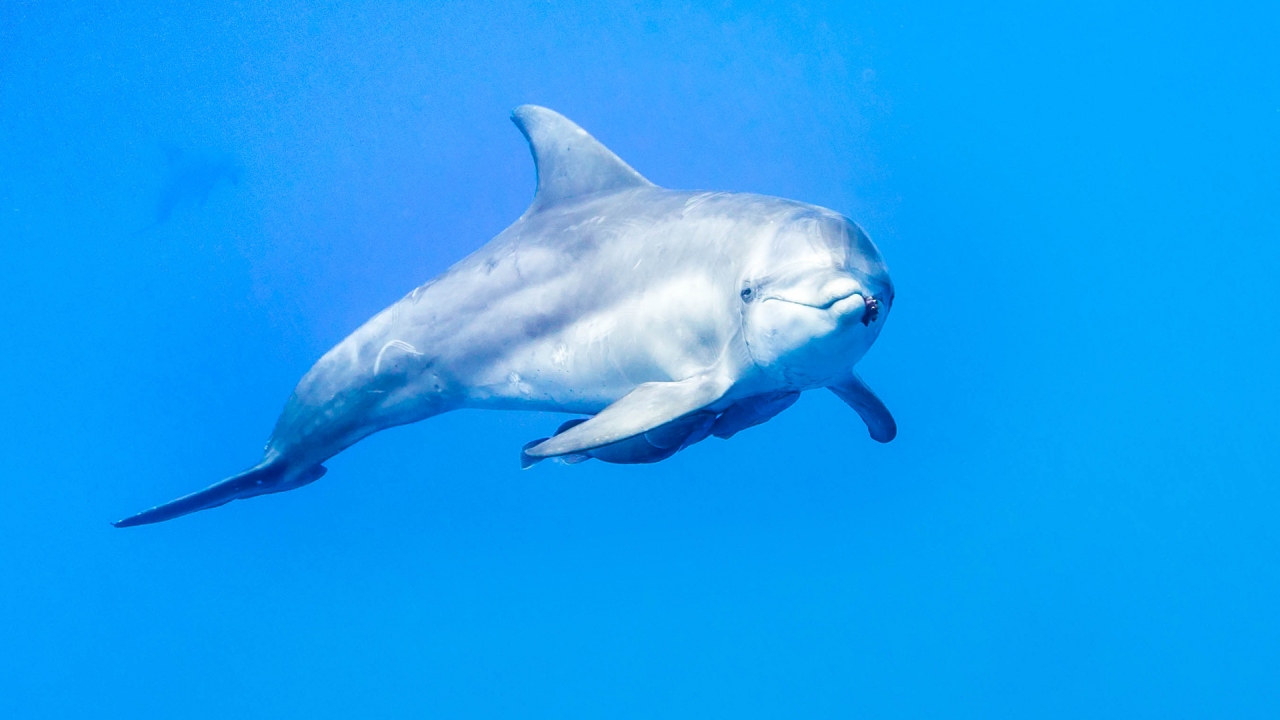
{"x": 1080, "y": 517}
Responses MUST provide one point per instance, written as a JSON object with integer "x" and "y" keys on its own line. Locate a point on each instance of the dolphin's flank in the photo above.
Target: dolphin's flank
{"x": 664, "y": 316}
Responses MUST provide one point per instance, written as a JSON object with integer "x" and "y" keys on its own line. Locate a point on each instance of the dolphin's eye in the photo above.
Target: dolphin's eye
{"x": 747, "y": 294}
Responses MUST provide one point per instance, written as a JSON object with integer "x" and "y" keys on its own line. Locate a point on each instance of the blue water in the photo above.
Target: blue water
{"x": 1080, "y": 516}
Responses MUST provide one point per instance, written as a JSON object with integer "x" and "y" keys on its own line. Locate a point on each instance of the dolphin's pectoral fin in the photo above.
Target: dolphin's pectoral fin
{"x": 680, "y": 434}
{"x": 858, "y": 396}
{"x": 527, "y": 461}
{"x": 752, "y": 411}
{"x": 259, "y": 480}
{"x": 639, "y": 411}
{"x": 657, "y": 444}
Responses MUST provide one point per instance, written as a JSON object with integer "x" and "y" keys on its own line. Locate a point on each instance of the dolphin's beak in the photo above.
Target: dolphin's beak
{"x": 850, "y": 309}
{"x": 837, "y": 291}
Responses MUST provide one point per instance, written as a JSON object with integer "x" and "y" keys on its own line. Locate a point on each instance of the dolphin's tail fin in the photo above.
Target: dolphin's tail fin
{"x": 258, "y": 480}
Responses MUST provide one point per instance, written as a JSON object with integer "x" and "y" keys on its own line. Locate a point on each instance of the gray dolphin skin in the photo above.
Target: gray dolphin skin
{"x": 665, "y": 316}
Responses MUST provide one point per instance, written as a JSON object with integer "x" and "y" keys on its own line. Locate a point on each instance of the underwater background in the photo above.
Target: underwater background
{"x": 1080, "y": 206}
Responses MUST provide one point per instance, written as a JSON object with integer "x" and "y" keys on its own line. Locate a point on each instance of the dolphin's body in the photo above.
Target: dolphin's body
{"x": 666, "y": 315}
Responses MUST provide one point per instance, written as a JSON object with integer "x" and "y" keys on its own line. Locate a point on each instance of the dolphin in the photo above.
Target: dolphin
{"x": 663, "y": 316}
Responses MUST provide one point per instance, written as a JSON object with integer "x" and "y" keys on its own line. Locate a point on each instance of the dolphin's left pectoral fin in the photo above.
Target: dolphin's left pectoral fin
{"x": 858, "y": 396}
{"x": 641, "y": 410}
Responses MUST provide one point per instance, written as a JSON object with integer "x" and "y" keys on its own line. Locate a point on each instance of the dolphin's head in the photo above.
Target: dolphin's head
{"x": 814, "y": 298}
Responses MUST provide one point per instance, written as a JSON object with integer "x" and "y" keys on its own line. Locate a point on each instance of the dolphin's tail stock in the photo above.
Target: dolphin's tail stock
{"x": 266, "y": 477}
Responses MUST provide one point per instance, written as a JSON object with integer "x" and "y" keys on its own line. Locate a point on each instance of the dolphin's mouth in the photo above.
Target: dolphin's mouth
{"x": 826, "y": 303}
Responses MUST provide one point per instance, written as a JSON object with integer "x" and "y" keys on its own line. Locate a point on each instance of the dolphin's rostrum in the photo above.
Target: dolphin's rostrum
{"x": 664, "y": 315}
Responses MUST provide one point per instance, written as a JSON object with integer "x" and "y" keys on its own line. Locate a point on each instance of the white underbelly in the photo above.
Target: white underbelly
{"x": 589, "y": 364}
{"x": 563, "y": 372}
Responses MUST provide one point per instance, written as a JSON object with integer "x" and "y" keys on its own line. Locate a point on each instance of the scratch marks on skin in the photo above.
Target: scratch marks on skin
{"x": 418, "y": 291}
{"x": 515, "y": 265}
{"x": 398, "y": 344}
{"x": 575, "y": 228}
{"x": 699, "y": 199}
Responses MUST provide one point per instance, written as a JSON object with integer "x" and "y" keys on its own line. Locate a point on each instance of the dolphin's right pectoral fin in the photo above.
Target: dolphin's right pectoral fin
{"x": 639, "y": 411}
{"x": 258, "y": 480}
{"x": 858, "y": 396}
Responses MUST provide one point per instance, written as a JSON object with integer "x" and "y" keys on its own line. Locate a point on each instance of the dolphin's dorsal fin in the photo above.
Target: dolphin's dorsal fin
{"x": 569, "y": 162}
